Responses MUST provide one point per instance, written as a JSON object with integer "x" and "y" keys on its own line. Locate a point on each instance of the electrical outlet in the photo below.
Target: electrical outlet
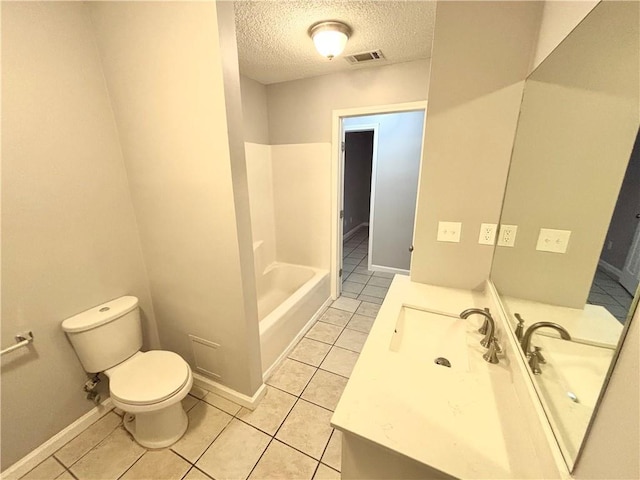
{"x": 555, "y": 241}
{"x": 449, "y": 231}
{"x": 609, "y": 245}
{"x": 507, "y": 236}
{"x": 487, "y": 234}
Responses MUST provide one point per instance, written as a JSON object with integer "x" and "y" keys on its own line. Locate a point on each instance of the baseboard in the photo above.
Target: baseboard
{"x": 296, "y": 339}
{"x": 610, "y": 268}
{"x": 48, "y": 448}
{"x": 396, "y": 271}
{"x": 353, "y": 231}
{"x": 230, "y": 394}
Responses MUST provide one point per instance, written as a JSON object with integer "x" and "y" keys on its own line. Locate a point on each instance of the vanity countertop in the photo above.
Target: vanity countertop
{"x": 463, "y": 423}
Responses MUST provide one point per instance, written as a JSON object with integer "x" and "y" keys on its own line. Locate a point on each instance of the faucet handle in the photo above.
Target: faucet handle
{"x": 537, "y": 352}
{"x": 491, "y": 355}
{"x": 534, "y": 363}
{"x": 519, "y": 327}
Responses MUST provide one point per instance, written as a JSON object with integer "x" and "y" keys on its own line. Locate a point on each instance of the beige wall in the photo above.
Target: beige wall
{"x": 69, "y": 235}
{"x": 480, "y": 58}
{"x": 559, "y": 17}
{"x": 254, "y": 111}
{"x": 300, "y": 110}
{"x": 577, "y": 128}
{"x": 302, "y": 199}
{"x": 187, "y": 174}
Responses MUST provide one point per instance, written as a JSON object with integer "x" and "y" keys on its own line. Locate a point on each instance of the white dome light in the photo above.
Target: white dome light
{"x": 330, "y": 38}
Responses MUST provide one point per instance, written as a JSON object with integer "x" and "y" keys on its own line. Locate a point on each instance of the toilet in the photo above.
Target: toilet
{"x": 148, "y": 386}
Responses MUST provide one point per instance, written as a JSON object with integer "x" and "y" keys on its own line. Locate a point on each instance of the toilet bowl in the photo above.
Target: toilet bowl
{"x": 150, "y": 387}
{"x": 147, "y": 386}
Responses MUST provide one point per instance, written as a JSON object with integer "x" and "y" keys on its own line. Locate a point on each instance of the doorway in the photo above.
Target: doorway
{"x": 618, "y": 272}
{"x": 389, "y": 139}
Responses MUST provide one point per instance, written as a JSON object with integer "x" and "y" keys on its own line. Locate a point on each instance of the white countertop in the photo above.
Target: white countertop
{"x": 463, "y": 423}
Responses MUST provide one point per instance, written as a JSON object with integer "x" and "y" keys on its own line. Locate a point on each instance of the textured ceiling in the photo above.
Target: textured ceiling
{"x": 274, "y": 46}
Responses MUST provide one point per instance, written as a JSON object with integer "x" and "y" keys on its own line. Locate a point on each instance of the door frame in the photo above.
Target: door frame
{"x": 337, "y": 175}
{"x": 363, "y": 127}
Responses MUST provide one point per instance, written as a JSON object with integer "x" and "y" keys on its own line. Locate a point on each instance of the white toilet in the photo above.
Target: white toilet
{"x": 149, "y": 386}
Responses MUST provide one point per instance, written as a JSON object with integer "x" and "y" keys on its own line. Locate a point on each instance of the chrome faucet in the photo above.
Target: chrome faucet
{"x": 489, "y": 340}
{"x": 488, "y": 327}
{"x": 534, "y": 356}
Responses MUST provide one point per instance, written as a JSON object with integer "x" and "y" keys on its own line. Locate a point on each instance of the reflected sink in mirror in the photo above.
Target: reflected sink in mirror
{"x": 423, "y": 336}
{"x": 570, "y": 384}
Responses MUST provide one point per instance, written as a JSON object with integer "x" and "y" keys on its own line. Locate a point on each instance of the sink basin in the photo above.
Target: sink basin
{"x": 570, "y": 383}
{"x": 577, "y": 367}
{"x": 423, "y": 336}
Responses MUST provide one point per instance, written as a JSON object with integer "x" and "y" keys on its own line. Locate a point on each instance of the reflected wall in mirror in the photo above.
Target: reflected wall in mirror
{"x": 578, "y": 123}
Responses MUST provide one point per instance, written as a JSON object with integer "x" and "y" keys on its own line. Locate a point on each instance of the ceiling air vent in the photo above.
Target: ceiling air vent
{"x": 376, "y": 55}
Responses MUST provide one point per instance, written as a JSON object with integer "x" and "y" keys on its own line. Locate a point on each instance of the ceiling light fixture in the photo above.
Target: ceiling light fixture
{"x": 330, "y": 38}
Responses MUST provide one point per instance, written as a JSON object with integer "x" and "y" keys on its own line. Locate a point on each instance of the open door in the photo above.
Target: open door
{"x": 630, "y": 277}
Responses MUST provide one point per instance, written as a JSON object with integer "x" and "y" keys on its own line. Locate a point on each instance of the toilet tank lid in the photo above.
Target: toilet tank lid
{"x": 100, "y": 315}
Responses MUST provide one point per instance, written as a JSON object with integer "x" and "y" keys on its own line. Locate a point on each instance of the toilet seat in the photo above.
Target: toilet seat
{"x": 148, "y": 378}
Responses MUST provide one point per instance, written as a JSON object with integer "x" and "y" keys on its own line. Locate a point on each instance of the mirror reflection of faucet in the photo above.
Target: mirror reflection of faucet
{"x": 488, "y": 328}
{"x": 534, "y": 355}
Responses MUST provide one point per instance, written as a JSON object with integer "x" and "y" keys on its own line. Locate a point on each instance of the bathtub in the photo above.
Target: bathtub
{"x": 289, "y": 299}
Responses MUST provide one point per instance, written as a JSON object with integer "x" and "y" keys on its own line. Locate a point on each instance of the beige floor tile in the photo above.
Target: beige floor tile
{"x": 361, "y": 323}
{"x": 340, "y": 361}
{"x": 383, "y": 274}
{"x": 325, "y": 473}
{"x": 66, "y": 475}
{"x": 349, "y": 295}
{"x": 271, "y": 411}
{"x": 324, "y": 332}
{"x": 370, "y": 299}
{"x": 235, "y": 451}
{"x": 352, "y": 287}
{"x": 358, "y": 278}
{"x": 222, "y": 403}
{"x": 50, "y": 468}
{"x": 205, "y": 423}
{"x": 336, "y": 317}
{"x": 195, "y": 474}
{"x": 379, "y": 282}
{"x": 325, "y": 389}
{"x": 310, "y": 351}
{"x": 368, "y": 309}
{"x": 110, "y": 459}
{"x": 373, "y": 291}
{"x": 158, "y": 465}
{"x": 351, "y": 340}
{"x": 291, "y": 376}
{"x": 198, "y": 392}
{"x": 346, "y": 304}
{"x": 88, "y": 439}
{"x": 189, "y": 402}
{"x": 283, "y": 462}
{"x": 333, "y": 454}
{"x": 307, "y": 428}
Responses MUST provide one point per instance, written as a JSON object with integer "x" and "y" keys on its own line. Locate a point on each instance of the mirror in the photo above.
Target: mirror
{"x": 574, "y": 186}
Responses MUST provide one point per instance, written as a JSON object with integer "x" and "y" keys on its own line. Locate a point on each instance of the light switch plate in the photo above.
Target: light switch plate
{"x": 555, "y": 241}
{"x": 449, "y": 231}
{"x": 487, "y": 234}
{"x": 507, "y": 235}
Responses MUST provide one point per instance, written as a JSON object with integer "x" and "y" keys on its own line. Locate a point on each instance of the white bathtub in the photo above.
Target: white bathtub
{"x": 289, "y": 296}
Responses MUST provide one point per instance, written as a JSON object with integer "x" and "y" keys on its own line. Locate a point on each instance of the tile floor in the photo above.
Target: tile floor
{"x": 607, "y": 292}
{"x": 357, "y": 281}
{"x": 287, "y": 436}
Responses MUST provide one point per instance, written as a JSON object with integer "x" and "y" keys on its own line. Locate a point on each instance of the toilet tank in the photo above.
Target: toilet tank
{"x": 106, "y": 335}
